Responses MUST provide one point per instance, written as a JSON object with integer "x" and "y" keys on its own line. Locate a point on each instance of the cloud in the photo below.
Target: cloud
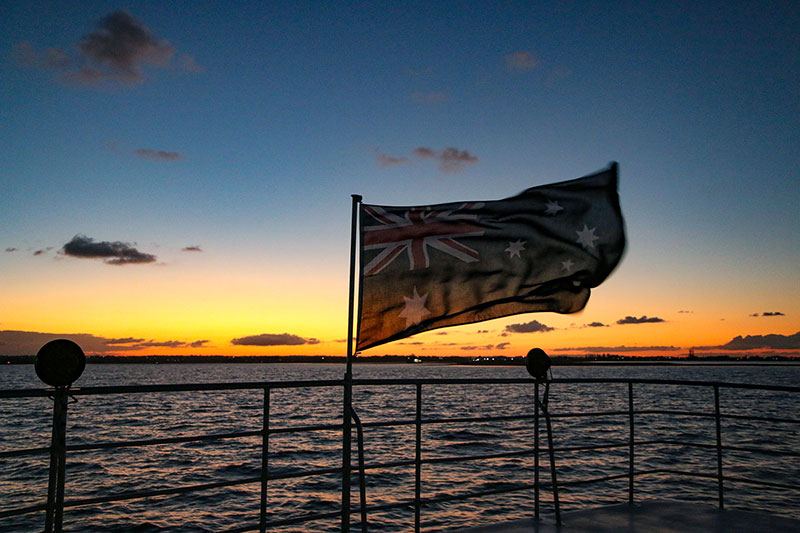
{"x": 769, "y": 313}
{"x": 503, "y": 345}
{"x": 160, "y": 344}
{"x": 595, "y": 325}
{"x": 486, "y": 347}
{"x": 618, "y": 349}
{"x": 533, "y": 326}
{"x": 40, "y": 252}
{"x": 195, "y": 248}
{"x": 189, "y": 64}
{"x": 273, "y": 339}
{"x": 757, "y": 342}
{"x": 11, "y": 250}
{"x": 17, "y": 342}
{"x": 159, "y": 155}
{"x": 388, "y": 161}
{"x": 430, "y": 97}
{"x": 450, "y": 159}
{"x": 113, "y": 253}
{"x": 125, "y": 340}
{"x": 118, "y": 50}
{"x": 453, "y": 160}
{"x": 641, "y": 320}
{"x": 521, "y": 61}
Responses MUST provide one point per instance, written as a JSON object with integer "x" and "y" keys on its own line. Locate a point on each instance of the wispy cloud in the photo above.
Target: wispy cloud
{"x": 112, "y": 253}
{"x": 449, "y": 159}
{"x": 118, "y": 51}
{"x": 273, "y": 339}
{"x": 195, "y": 248}
{"x": 640, "y": 320}
{"x": 534, "y": 326}
{"x": 159, "y": 155}
{"x": 595, "y": 325}
{"x": 618, "y": 349}
{"x": 11, "y": 249}
{"x": 769, "y": 313}
{"x": 521, "y": 61}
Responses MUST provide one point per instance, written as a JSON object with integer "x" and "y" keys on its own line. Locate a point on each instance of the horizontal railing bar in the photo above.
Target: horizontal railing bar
{"x": 25, "y": 451}
{"x": 122, "y": 389}
{"x": 164, "y": 440}
{"x": 746, "y": 449}
{"x": 133, "y": 495}
{"x": 611, "y": 477}
{"x": 761, "y": 483}
{"x": 303, "y": 429}
{"x": 672, "y": 413}
{"x": 762, "y": 419}
{"x": 303, "y": 473}
{"x": 23, "y": 510}
{"x": 480, "y": 494}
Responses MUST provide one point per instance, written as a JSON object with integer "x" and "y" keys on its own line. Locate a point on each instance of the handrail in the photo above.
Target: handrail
{"x": 419, "y": 421}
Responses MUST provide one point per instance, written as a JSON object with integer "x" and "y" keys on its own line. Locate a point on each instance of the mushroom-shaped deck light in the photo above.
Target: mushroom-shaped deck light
{"x": 60, "y": 362}
{"x": 538, "y": 363}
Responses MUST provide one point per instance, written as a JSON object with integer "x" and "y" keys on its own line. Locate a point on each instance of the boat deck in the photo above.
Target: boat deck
{"x": 650, "y": 517}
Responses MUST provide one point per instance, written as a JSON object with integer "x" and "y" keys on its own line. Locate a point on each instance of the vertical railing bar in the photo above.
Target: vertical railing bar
{"x": 536, "y": 451}
{"x": 264, "y": 460}
{"x": 717, "y": 417}
{"x": 346, "y": 452}
{"x": 418, "y": 460}
{"x": 631, "y": 443}
{"x": 54, "y": 517}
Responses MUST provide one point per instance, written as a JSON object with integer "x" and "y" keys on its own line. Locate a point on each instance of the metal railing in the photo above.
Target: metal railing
{"x": 59, "y": 448}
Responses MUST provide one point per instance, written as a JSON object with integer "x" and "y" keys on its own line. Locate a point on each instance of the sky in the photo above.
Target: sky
{"x": 176, "y": 178}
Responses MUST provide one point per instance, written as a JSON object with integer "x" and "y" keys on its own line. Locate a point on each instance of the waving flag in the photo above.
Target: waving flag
{"x": 424, "y": 268}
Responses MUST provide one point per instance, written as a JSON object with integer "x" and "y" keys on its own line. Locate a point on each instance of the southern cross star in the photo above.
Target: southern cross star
{"x": 514, "y": 248}
{"x": 552, "y": 208}
{"x": 586, "y": 237}
{"x": 415, "y": 310}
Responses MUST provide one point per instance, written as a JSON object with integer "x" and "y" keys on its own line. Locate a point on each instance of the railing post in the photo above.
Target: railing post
{"x": 262, "y": 527}
{"x": 630, "y": 442}
{"x": 717, "y": 416}
{"x": 54, "y": 518}
{"x": 536, "y": 451}
{"x": 346, "y": 445}
{"x": 418, "y": 460}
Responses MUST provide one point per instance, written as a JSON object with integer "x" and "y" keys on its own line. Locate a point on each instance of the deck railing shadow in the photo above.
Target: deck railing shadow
{"x": 630, "y": 424}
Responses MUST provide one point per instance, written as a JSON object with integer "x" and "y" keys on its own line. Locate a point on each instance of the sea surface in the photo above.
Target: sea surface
{"x": 25, "y": 423}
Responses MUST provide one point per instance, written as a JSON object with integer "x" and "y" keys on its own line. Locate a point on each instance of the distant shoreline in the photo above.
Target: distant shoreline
{"x": 429, "y": 360}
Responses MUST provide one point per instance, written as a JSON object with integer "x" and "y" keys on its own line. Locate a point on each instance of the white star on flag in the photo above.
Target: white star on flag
{"x": 567, "y": 265}
{"x": 415, "y": 310}
{"x": 514, "y": 248}
{"x": 553, "y": 208}
{"x": 586, "y": 237}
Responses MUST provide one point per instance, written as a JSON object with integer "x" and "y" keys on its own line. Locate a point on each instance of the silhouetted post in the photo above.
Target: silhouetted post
{"x": 59, "y": 363}
{"x": 538, "y": 364}
{"x": 348, "y": 375}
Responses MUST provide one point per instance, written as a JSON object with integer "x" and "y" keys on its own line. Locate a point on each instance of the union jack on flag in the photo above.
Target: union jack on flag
{"x": 427, "y": 267}
{"x": 414, "y": 231}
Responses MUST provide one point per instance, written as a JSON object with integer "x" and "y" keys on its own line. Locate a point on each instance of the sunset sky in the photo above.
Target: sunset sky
{"x": 175, "y": 178}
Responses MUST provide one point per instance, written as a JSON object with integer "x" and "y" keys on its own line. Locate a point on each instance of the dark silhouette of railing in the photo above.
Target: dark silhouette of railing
{"x": 56, "y": 502}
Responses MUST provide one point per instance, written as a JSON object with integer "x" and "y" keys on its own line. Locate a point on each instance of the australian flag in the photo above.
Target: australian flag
{"x": 428, "y": 267}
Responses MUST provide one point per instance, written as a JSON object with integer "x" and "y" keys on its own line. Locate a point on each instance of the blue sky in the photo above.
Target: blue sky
{"x": 244, "y": 128}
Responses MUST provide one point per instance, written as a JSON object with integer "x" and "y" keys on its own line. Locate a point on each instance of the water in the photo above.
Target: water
{"x": 25, "y": 423}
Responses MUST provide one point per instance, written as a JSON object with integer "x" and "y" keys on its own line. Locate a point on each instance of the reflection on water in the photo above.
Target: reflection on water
{"x": 25, "y": 423}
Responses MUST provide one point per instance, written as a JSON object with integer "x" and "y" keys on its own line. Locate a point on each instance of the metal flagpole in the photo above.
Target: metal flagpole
{"x": 348, "y": 376}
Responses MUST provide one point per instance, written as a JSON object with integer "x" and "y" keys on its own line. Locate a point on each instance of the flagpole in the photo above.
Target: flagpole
{"x": 351, "y": 310}
{"x": 348, "y": 376}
